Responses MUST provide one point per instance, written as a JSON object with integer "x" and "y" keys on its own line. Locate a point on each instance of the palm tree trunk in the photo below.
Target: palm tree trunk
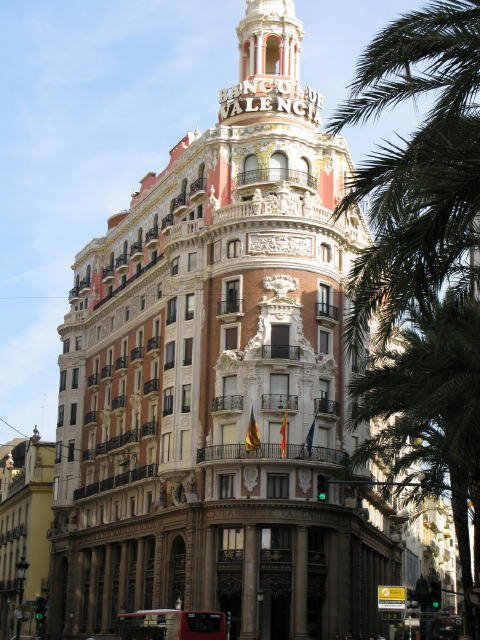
{"x": 460, "y": 519}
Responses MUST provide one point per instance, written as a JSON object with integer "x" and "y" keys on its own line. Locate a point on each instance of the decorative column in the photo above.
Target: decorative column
{"x": 159, "y": 597}
{"x": 241, "y": 57}
{"x": 259, "y": 53}
{"x": 122, "y": 583}
{"x": 297, "y": 64}
{"x": 251, "y": 55}
{"x": 107, "y": 590}
{"x": 292, "y": 57}
{"x": 209, "y": 570}
{"x": 286, "y": 56}
{"x": 77, "y": 564}
{"x": 300, "y": 584}
{"x": 140, "y": 574}
{"x": 250, "y": 584}
{"x": 92, "y": 592}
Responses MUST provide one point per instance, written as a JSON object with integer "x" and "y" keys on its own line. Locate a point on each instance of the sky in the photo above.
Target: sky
{"x": 95, "y": 94}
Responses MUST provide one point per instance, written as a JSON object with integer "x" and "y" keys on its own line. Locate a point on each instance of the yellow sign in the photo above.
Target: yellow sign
{"x": 391, "y": 597}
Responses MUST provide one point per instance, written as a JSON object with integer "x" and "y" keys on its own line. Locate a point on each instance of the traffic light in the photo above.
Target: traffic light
{"x": 413, "y": 610}
{"x": 322, "y": 488}
{"x": 436, "y": 594}
{"x": 40, "y": 609}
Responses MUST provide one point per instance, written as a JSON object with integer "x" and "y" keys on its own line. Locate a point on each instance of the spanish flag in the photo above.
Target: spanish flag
{"x": 252, "y": 439}
{"x": 283, "y": 433}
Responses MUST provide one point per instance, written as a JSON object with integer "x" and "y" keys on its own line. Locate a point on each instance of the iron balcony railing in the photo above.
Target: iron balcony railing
{"x": 167, "y": 221}
{"x": 119, "y": 441}
{"x": 270, "y": 451}
{"x": 275, "y": 555}
{"x": 229, "y": 306}
{"x": 136, "y": 247}
{"x": 227, "y": 403}
{"x": 200, "y": 184}
{"x": 93, "y": 380}
{"x": 324, "y": 405}
{"x": 136, "y": 354}
{"x": 280, "y": 351}
{"x": 101, "y": 449}
{"x": 108, "y": 272}
{"x": 151, "y": 386}
{"x": 149, "y": 429}
{"x": 120, "y": 402}
{"x": 107, "y": 372}
{"x": 121, "y": 363}
{"x": 121, "y": 261}
{"x": 73, "y": 293}
{"x": 325, "y": 310}
{"x": 300, "y": 178}
{"x": 152, "y": 234}
{"x": 279, "y": 401}
{"x": 148, "y": 471}
{"x": 180, "y": 201}
{"x": 230, "y": 555}
{"x": 88, "y": 454}
{"x": 153, "y": 343}
{"x": 168, "y": 408}
{"x": 84, "y": 284}
{"x": 168, "y": 365}
{"x": 91, "y": 417}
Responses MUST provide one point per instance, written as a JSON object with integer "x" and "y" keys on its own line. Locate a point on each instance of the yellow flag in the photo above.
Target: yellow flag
{"x": 252, "y": 439}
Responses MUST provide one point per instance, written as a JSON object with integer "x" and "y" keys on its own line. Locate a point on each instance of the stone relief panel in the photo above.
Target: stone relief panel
{"x": 288, "y": 244}
{"x": 250, "y": 478}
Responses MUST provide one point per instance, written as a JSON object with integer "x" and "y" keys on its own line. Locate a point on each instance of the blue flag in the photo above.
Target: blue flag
{"x": 309, "y": 440}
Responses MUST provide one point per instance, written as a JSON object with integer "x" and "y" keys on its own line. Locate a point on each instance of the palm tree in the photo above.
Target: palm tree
{"x": 425, "y": 191}
{"x": 426, "y": 388}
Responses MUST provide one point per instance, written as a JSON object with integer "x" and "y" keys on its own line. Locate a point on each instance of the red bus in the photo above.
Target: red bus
{"x": 172, "y": 624}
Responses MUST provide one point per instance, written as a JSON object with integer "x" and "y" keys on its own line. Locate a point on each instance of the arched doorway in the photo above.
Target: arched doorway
{"x": 177, "y": 571}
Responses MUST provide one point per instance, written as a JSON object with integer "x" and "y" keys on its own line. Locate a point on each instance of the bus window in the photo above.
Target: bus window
{"x": 203, "y": 622}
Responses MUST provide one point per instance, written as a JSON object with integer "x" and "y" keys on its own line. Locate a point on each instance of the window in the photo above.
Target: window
{"x": 272, "y": 56}
{"x": 232, "y": 540}
{"x": 324, "y": 340}
{"x": 168, "y": 401}
{"x": 148, "y": 502}
{"x": 187, "y": 351}
{"x": 159, "y": 291}
{"x": 326, "y": 252}
{"x": 226, "y": 486}
{"x": 71, "y": 451}
{"x": 78, "y": 343}
{"x": 174, "y": 266}
{"x": 229, "y": 434}
{"x": 200, "y": 211}
{"x": 322, "y": 437}
{"x": 127, "y": 314}
{"x": 186, "y": 398}
{"x": 304, "y": 166}
{"x": 192, "y": 261}
{"x": 274, "y": 436}
{"x": 278, "y": 166}
{"x": 75, "y": 376}
{"x": 233, "y": 249}
{"x": 171, "y": 311}
{"x": 58, "y": 451}
{"x": 277, "y": 485}
{"x": 250, "y": 166}
{"x": 232, "y": 293}
{"x": 132, "y": 505}
{"x": 101, "y": 514}
{"x": 143, "y": 303}
{"x": 189, "y": 306}
{"x": 73, "y": 413}
{"x": 166, "y": 447}
{"x": 61, "y": 415}
{"x": 230, "y": 385}
{"x": 230, "y": 335}
{"x": 66, "y": 345}
{"x": 56, "y": 484}
{"x": 324, "y": 297}
{"x": 63, "y": 380}
{"x": 169, "y": 355}
{"x": 116, "y": 510}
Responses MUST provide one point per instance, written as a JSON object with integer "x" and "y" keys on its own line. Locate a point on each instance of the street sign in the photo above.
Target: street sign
{"x": 391, "y": 598}
{"x": 473, "y": 596}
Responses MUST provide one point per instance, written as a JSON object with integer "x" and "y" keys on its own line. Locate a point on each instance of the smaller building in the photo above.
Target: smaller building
{"x": 25, "y": 515}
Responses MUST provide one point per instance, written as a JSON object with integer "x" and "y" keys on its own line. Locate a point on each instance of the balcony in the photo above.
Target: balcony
{"x": 121, "y": 263}
{"x": 279, "y": 402}
{"x": 149, "y": 429}
{"x": 227, "y": 403}
{"x": 167, "y": 221}
{"x": 229, "y": 308}
{"x": 74, "y": 295}
{"x": 280, "y": 352}
{"x": 101, "y": 449}
{"x": 276, "y": 555}
{"x": 151, "y": 387}
{"x": 136, "y": 251}
{"x": 153, "y": 344}
{"x": 93, "y": 380}
{"x": 136, "y": 355}
{"x": 120, "y": 441}
{"x": 91, "y": 417}
{"x": 108, "y": 275}
{"x": 119, "y": 403}
{"x": 151, "y": 239}
{"x": 198, "y": 188}
{"x": 107, "y": 372}
{"x": 121, "y": 364}
{"x": 269, "y": 451}
{"x": 120, "y": 480}
{"x": 179, "y": 204}
{"x": 85, "y": 287}
{"x": 230, "y": 555}
{"x": 326, "y": 407}
{"x": 168, "y": 408}
{"x": 88, "y": 455}
{"x": 326, "y": 314}
{"x": 272, "y": 176}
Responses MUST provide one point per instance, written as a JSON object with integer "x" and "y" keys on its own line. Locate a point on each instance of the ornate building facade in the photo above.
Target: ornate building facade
{"x": 219, "y": 294}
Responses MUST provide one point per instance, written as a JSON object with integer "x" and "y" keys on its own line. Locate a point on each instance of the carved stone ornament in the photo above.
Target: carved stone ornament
{"x": 281, "y": 284}
{"x": 215, "y": 202}
{"x": 280, "y": 244}
{"x": 305, "y": 480}
{"x": 257, "y": 340}
{"x": 327, "y": 364}
{"x": 250, "y": 478}
{"x": 228, "y": 361}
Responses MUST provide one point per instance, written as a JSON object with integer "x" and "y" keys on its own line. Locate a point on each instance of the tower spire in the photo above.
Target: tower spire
{"x": 271, "y": 7}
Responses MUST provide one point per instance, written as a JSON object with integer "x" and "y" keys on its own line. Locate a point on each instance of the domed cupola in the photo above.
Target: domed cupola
{"x": 269, "y": 40}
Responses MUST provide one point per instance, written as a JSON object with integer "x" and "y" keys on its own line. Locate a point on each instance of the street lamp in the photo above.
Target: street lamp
{"x": 22, "y": 566}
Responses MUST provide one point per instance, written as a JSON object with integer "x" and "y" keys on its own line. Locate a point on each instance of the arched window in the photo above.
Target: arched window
{"x": 155, "y": 221}
{"x": 272, "y": 56}
{"x": 184, "y": 187}
{"x": 201, "y": 171}
{"x": 140, "y": 235}
{"x": 326, "y": 252}
{"x": 250, "y": 169}
{"x": 88, "y": 273}
{"x": 278, "y": 166}
{"x": 233, "y": 249}
{"x": 125, "y": 247}
{"x": 304, "y": 166}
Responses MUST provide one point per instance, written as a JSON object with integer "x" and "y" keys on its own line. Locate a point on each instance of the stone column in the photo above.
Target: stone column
{"x": 259, "y": 53}
{"x": 297, "y": 64}
{"x": 210, "y": 570}
{"x": 107, "y": 590}
{"x": 250, "y": 584}
{"x": 92, "y": 592}
{"x": 140, "y": 574}
{"x": 122, "y": 581}
{"x": 251, "y": 54}
{"x": 292, "y": 57}
{"x": 159, "y": 598}
{"x": 77, "y": 563}
{"x": 300, "y": 584}
{"x": 286, "y": 56}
